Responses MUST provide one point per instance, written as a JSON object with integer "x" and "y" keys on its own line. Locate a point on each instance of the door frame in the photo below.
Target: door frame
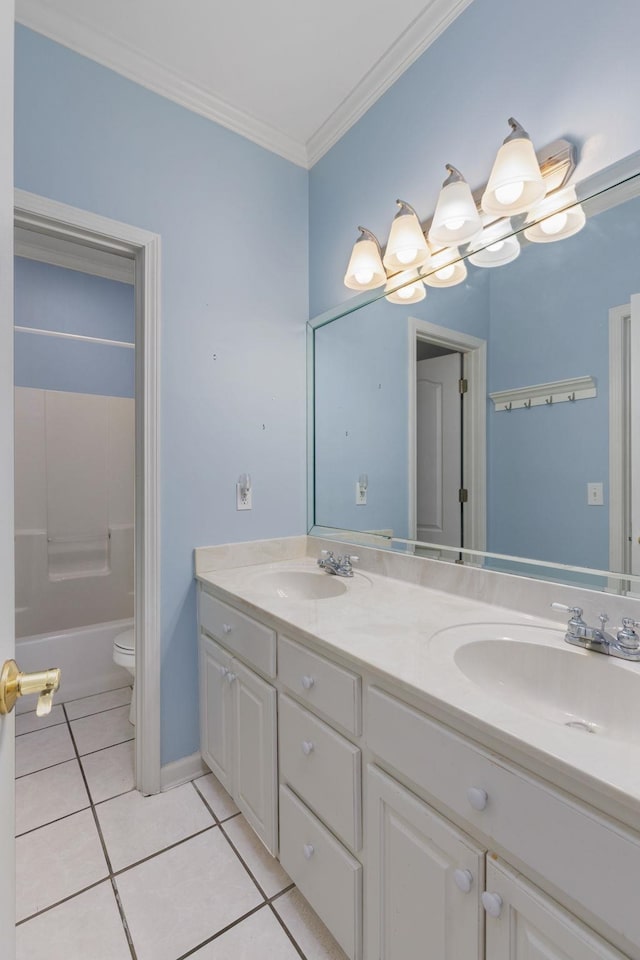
{"x": 60, "y": 220}
{"x": 474, "y": 426}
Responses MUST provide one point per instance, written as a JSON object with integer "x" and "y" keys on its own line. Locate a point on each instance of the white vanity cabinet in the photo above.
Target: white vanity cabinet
{"x": 424, "y": 880}
{"x": 238, "y": 715}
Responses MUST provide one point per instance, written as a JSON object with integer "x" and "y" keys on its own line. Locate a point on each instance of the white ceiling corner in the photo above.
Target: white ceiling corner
{"x": 341, "y": 64}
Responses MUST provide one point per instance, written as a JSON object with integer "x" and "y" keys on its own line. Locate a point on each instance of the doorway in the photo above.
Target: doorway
{"x": 447, "y": 446}
{"x": 63, "y": 228}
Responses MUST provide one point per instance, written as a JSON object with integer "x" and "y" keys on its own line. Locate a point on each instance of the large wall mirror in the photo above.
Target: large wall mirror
{"x": 498, "y": 418}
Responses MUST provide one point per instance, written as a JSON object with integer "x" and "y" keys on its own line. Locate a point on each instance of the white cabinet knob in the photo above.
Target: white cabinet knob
{"x": 308, "y": 850}
{"x": 230, "y": 676}
{"x": 463, "y": 879}
{"x": 308, "y": 682}
{"x": 477, "y": 797}
{"x": 227, "y": 628}
{"x": 307, "y": 747}
{"x": 492, "y": 903}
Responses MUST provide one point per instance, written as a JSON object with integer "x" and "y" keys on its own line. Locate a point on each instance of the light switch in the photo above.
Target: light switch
{"x": 595, "y": 494}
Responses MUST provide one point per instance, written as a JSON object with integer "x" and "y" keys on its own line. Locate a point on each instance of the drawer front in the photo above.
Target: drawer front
{"x": 589, "y": 860}
{"x": 326, "y": 874}
{"x": 325, "y": 687}
{"x": 323, "y": 768}
{"x": 252, "y": 641}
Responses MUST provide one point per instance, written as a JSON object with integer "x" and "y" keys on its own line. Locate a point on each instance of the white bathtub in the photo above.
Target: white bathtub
{"x": 84, "y": 654}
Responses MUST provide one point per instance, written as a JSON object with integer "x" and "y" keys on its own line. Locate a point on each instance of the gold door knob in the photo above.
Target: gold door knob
{"x": 14, "y": 684}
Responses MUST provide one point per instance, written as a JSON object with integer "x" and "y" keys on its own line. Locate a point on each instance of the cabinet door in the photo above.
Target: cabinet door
{"x": 255, "y": 753}
{"x": 418, "y": 870}
{"x": 216, "y": 713}
{"x": 531, "y": 926}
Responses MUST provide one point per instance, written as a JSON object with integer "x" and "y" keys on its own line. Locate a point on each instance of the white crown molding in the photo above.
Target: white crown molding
{"x": 419, "y": 35}
{"x": 130, "y": 63}
{"x": 42, "y": 17}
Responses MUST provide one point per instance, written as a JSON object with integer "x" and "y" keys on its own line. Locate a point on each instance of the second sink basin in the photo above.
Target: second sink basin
{"x": 532, "y": 670}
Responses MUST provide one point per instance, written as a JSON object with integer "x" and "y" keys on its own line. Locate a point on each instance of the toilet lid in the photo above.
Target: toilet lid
{"x": 126, "y": 640}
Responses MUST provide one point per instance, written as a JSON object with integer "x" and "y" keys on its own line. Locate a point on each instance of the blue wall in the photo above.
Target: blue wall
{"x": 234, "y": 225}
{"x": 67, "y": 301}
{"x": 563, "y": 69}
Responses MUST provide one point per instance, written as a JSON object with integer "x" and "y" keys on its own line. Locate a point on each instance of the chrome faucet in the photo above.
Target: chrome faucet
{"x": 625, "y": 644}
{"x": 340, "y": 566}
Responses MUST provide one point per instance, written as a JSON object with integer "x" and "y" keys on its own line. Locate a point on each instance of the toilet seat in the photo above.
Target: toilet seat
{"x": 125, "y": 642}
{"x": 124, "y": 655}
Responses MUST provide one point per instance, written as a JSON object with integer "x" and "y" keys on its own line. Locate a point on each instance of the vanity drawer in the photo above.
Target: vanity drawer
{"x": 331, "y": 690}
{"x": 326, "y": 874}
{"x": 252, "y": 641}
{"x": 323, "y": 768}
{"x": 589, "y": 860}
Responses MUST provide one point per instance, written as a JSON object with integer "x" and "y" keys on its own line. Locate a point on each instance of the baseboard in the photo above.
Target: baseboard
{"x": 181, "y": 771}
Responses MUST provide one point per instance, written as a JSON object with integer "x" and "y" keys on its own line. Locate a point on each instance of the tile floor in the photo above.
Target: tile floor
{"x": 104, "y": 873}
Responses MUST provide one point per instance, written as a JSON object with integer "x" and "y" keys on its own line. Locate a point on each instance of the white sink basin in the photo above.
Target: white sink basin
{"x": 532, "y": 670}
{"x": 299, "y": 584}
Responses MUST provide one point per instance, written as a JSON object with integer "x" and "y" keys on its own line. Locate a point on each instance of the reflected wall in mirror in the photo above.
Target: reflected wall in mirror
{"x": 545, "y": 474}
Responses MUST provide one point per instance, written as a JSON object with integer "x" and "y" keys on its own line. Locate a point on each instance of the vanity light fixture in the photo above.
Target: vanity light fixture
{"x": 443, "y": 272}
{"x": 406, "y": 246}
{"x": 365, "y": 270}
{"x": 456, "y": 219}
{"x": 497, "y": 249}
{"x": 563, "y": 216}
{"x": 410, "y": 292}
{"x": 516, "y": 182}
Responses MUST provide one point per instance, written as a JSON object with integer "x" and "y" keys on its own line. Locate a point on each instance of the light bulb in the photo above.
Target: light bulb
{"x": 554, "y": 224}
{"x": 454, "y": 223}
{"x": 446, "y": 272}
{"x": 509, "y": 192}
{"x": 405, "y": 292}
{"x": 407, "y": 256}
{"x": 364, "y": 276}
{"x": 494, "y": 247}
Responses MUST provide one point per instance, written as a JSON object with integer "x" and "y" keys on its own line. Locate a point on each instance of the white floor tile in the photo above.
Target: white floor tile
{"x": 87, "y": 927}
{"x": 216, "y": 796}
{"x": 34, "y": 751}
{"x": 307, "y": 928}
{"x": 258, "y": 937}
{"x": 57, "y": 861}
{"x": 102, "y": 730}
{"x": 98, "y": 703}
{"x": 111, "y": 771}
{"x": 262, "y": 865}
{"x": 178, "y": 899}
{"x": 135, "y": 827}
{"x": 48, "y": 795}
{"x": 28, "y": 722}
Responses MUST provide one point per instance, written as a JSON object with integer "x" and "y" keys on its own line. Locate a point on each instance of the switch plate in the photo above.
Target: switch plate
{"x": 243, "y": 503}
{"x": 595, "y": 494}
{"x": 361, "y": 495}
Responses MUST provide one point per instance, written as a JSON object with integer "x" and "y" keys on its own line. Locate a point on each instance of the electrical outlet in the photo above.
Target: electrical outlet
{"x": 243, "y": 502}
{"x": 361, "y": 494}
{"x": 595, "y": 494}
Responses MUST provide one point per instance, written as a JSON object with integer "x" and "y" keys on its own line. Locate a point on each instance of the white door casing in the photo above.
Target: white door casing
{"x": 634, "y": 432}
{"x": 7, "y": 601}
{"x": 40, "y": 214}
{"x": 438, "y": 450}
{"x": 474, "y": 431}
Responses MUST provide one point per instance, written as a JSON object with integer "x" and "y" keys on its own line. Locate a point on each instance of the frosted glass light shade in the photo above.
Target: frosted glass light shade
{"x": 410, "y": 292}
{"x": 456, "y": 219}
{"x": 498, "y": 250}
{"x": 515, "y": 183}
{"x": 406, "y": 246}
{"x": 444, "y": 273}
{"x": 365, "y": 270}
{"x": 558, "y": 223}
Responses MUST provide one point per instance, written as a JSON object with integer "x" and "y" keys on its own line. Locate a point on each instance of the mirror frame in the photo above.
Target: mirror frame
{"x": 625, "y": 171}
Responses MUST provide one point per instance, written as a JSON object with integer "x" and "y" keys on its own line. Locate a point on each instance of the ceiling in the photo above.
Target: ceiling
{"x": 291, "y": 75}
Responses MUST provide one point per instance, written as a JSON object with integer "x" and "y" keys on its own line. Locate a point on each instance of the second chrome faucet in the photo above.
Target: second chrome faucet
{"x": 625, "y": 644}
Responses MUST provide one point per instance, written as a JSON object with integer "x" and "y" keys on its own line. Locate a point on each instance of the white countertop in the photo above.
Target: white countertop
{"x": 391, "y": 627}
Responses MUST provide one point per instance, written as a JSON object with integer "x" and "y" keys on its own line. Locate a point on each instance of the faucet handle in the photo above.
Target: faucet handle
{"x": 576, "y": 612}
{"x": 627, "y": 636}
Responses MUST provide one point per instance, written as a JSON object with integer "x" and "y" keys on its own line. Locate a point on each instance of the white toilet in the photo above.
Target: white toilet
{"x": 124, "y": 654}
